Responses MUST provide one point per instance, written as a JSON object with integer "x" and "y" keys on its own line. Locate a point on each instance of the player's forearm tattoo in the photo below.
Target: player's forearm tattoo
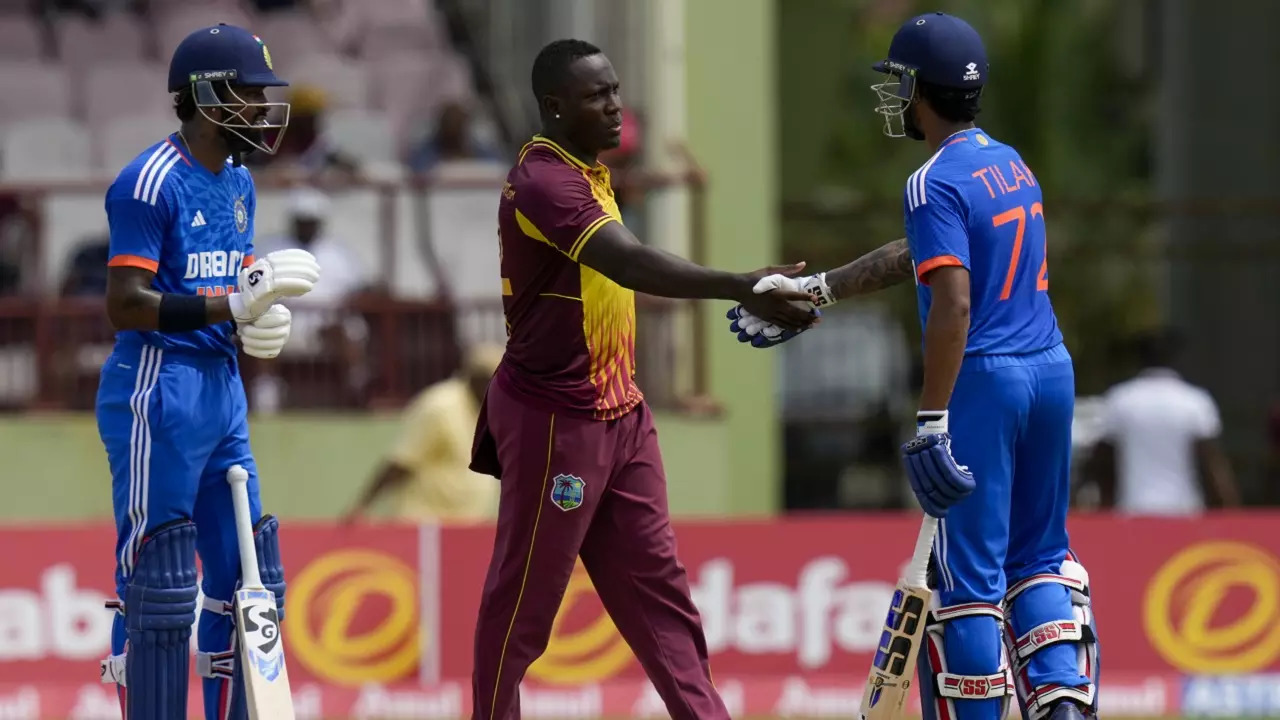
{"x": 883, "y": 267}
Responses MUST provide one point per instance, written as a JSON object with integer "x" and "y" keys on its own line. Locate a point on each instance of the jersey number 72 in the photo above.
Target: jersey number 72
{"x": 1019, "y": 215}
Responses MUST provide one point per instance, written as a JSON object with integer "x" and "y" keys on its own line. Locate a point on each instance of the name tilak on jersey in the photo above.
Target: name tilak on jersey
{"x": 997, "y": 184}
{"x": 214, "y": 264}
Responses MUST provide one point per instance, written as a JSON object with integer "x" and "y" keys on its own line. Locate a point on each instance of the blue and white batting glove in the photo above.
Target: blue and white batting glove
{"x": 761, "y": 334}
{"x": 751, "y": 329}
{"x": 937, "y": 480}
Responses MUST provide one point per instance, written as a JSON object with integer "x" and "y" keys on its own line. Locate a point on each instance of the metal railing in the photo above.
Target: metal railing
{"x": 381, "y": 347}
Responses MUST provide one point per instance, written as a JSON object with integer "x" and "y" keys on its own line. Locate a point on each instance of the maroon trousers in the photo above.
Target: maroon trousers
{"x": 571, "y": 488}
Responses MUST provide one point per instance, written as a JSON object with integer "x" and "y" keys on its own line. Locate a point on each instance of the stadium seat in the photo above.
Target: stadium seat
{"x": 291, "y": 36}
{"x": 365, "y": 134}
{"x": 21, "y": 38}
{"x": 32, "y": 90}
{"x": 107, "y": 91}
{"x": 121, "y": 140}
{"x": 345, "y": 82}
{"x": 44, "y": 149}
{"x": 387, "y": 40}
{"x": 412, "y": 89}
{"x": 176, "y": 19}
{"x": 354, "y": 24}
{"x": 116, "y": 38}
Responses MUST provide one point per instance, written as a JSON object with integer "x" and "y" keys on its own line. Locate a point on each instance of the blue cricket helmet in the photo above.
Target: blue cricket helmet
{"x": 212, "y": 63}
{"x": 936, "y": 48}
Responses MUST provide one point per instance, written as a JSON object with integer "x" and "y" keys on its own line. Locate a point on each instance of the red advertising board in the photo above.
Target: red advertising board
{"x": 382, "y": 617}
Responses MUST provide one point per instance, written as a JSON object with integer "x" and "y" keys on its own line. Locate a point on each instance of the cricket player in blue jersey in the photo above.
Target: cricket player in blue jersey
{"x": 182, "y": 284}
{"x": 991, "y": 456}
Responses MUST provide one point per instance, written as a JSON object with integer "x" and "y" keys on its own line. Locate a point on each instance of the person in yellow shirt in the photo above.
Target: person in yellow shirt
{"x": 426, "y": 471}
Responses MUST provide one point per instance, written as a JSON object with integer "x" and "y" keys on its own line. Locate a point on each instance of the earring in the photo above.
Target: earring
{"x": 557, "y": 116}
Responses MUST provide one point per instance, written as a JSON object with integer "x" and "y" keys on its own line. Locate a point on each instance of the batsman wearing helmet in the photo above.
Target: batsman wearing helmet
{"x": 182, "y": 284}
{"x": 1011, "y": 614}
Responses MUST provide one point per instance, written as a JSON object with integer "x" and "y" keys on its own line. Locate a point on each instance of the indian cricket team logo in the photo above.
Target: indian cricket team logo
{"x": 566, "y": 491}
{"x": 266, "y": 54}
{"x": 242, "y": 215}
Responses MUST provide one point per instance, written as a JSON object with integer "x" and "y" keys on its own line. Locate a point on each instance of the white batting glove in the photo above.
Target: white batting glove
{"x": 815, "y": 285}
{"x": 762, "y": 334}
{"x": 284, "y": 273}
{"x": 265, "y": 337}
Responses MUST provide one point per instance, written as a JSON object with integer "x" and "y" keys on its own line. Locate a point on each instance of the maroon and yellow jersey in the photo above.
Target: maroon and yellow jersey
{"x": 570, "y": 330}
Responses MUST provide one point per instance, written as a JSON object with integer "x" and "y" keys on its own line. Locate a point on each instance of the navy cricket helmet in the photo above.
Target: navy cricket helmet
{"x": 936, "y": 49}
{"x": 214, "y": 63}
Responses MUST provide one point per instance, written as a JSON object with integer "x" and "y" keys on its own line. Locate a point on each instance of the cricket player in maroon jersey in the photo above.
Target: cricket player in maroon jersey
{"x": 564, "y": 426}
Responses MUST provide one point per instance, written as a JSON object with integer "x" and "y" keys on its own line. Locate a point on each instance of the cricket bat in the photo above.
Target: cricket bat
{"x": 895, "y": 661}
{"x": 261, "y": 648}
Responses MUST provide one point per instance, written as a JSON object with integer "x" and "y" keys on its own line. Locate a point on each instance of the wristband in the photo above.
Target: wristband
{"x": 817, "y": 286}
{"x": 181, "y": 313}
{"x": 929, "y": 422}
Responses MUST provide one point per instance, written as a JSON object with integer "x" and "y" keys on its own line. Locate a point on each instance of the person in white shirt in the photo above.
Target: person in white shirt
{"x": 322, "y": 325}
{"x": 1159, "y": 452}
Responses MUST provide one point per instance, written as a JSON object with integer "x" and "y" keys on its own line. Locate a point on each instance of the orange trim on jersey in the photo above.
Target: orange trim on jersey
{"x": 935, "y": 263}
{"x": 179, "y": 151}
{"x": 134, "y": 261}
{"x": 960, "y": 139}
{"x": 248, "y": 260}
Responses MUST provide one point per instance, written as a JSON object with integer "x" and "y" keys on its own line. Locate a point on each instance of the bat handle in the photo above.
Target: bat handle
{"x": 917, "y": 574}
{"x": 238, "y": 478}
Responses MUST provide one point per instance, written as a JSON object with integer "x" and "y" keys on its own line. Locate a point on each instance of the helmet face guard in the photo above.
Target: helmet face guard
{"x": 894, "y": 96}
{"x": 217, "y": 91}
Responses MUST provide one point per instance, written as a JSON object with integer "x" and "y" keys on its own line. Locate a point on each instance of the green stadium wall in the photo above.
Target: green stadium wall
{"x": 732, "y": 123}
{"x": 312, "y": 466}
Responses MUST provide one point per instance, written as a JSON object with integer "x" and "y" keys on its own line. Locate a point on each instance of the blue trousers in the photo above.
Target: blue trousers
{"x": 1010, "y": 422}
{"x": 172, "y": 425}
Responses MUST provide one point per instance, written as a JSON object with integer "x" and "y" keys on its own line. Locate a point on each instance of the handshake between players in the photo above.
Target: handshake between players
{"x": 937, "y": 480}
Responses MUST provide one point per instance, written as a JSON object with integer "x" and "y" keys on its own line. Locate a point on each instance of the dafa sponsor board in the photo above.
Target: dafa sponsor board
{"x": 395, "y": 607}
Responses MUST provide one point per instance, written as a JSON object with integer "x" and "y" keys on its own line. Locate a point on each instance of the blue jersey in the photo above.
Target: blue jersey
{"x": 194, "y": 229}
{"x": 976, "y": 204}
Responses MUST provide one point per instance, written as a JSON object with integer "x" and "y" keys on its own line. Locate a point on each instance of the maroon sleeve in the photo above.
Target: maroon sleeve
{"x": 556, "y": 206}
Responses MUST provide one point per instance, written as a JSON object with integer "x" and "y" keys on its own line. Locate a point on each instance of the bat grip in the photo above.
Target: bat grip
{"x": 917, "y": 574}
{"x": 238, "y": 478}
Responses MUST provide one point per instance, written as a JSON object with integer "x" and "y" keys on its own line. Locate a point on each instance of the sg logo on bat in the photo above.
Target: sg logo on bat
{"x": 262, "y": 632}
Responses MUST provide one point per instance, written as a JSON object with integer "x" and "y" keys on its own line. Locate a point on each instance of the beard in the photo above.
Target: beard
{"x": 238, "y": 144}
{"x": 909, "y": 125}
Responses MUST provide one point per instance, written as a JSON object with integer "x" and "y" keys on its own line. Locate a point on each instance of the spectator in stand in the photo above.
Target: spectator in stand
{"x": 454, "y": 139}
{"x": 1160, "y": 453}
{"x": 322, "y": 323}
{"x": 427, "y": 470}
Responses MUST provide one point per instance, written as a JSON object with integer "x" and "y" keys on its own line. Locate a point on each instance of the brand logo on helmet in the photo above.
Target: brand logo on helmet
{"x": 227, "y": 75}
{"x": 972, "y": 73}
